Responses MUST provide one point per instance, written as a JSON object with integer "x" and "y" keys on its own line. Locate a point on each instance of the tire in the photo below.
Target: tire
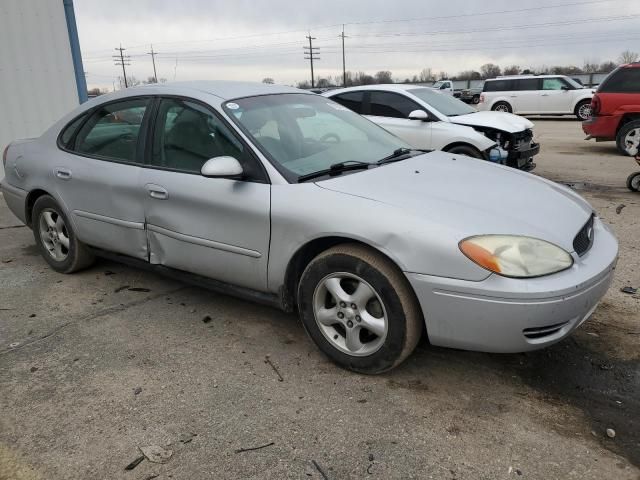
{"x": 476, "y": 99}
{"x": 56, "y": 239}
{"x": 633, "y": 182}
{"x": 583, "y": 110}
{"x": 628, "y": 135}
{"x": 467, "y": 150}
{"x": 502, "y": 107}
{"x": 391, "y": 322}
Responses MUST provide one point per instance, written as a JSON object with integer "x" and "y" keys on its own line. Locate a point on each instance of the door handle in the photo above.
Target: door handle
{"x": 544, "y": 95}
{"x": 62, "y": 173}
{"x": 157, "y": 192}
{"x": 513, "y": 96}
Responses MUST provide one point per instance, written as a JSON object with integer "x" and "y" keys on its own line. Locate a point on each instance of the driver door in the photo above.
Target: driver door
{"x": 215, "y": 227}
{"x": 555, "y": 96}
{"x": 391, "y": 111}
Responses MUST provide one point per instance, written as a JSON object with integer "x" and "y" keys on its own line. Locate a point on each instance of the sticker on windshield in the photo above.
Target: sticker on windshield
{"x": 338, "y": 107}
{"x": 233, "y": 106}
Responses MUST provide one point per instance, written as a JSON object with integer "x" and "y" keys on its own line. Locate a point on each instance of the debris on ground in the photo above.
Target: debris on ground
{"x": 139, "y": 289}
{"x": 137, "y": 390}
{"x": 611, "y": 433}
{"x": 268, "y": 361}
{"x": 32, "y": 315}
{"x": 156, "y": 453}
{"x": 324, "y": 475}
{"x": 135, "y": 463}
{"x": 187, "y": 437}
{"x": 33, "y": 369}
{"x": 119, "y": 289}
{"x": 249, "y": 449}
{"x": 109, "y": 272}
{"x": 629, "y": 290}
{"x": 619, "y": 208}
{"x": 8, "y": 260}
{"x": 206, "y": 319}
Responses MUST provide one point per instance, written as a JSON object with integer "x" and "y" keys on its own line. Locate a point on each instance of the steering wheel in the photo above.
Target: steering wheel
{"x": 330, "y": 138}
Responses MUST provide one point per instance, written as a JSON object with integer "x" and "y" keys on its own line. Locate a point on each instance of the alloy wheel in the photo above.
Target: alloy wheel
{"x": 632, "y": 139}
{"x": 350, "y": 314}
{"x": 584, "y": 112}
{"x": 54, "y": 234}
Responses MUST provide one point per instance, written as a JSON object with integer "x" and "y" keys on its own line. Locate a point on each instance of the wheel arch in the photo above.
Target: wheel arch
{"x": 463, "y": 144}
{"x": 32, "y": 197}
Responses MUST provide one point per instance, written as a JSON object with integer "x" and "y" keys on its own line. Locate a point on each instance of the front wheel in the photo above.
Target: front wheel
{"x": 502, "y": 107}
{"x": 583, "y": 110}
{"x": 628, "y": 138}
{"x": 56, "y": 239}
{"x": 633, "y": 182}
{"x": 359, "y": 309}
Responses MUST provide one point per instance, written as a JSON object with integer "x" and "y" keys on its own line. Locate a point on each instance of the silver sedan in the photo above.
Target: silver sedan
{"x": 288, "y": 198}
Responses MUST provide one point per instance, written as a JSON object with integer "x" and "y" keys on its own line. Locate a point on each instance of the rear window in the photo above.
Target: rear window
{"x": 528, "y": 84}
{"x": 622, "y": 80}
{"x": 499, "y": 85}
{"x": 351, "y": 100}
{"x": 70, "y": 130}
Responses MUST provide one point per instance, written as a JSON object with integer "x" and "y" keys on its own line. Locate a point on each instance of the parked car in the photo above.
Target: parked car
{"x": 537, "y": 95}
{"x": 616, "y": 109}
{"x": 429, "y": 120}
{"x": 444, "y": 86}
{"x": 471, "y": 95}
{"x": 286, "y": 197}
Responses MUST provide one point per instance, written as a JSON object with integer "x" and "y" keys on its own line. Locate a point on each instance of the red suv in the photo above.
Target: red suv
{"x": 616, "y": 109}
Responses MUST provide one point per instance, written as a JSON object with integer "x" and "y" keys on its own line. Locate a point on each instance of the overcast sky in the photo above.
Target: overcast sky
{"x": 251, "y": 40}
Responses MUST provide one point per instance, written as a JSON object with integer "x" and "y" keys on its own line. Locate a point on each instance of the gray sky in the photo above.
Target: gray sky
{"x": 250, "y": 40}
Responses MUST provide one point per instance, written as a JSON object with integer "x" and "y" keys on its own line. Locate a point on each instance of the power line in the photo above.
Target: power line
{"x": 344, "y": 68}
{"x": 312, "y": 53}
{"x": 122, "y": 60}
{"x": 153, "y": 59}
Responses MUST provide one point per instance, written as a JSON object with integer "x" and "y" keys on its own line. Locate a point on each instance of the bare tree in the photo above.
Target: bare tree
{"x": 468, "y": 75}
{"x": 426, "y": 75}
{"x": 268, "y": 80}
{"x": 305, "y": 85}
{"x": 364, "y": 79}
{"x": 607, "y": 67}
{"x": 511, "y": 70}
{"x": 490, "y": 70}
{"x": 590, "y": 66}
{"x": 384, "y": 76}
{"x": 628, "y": 57}
{"x": 323, "y": 82}
{"x": 443, "y": 75}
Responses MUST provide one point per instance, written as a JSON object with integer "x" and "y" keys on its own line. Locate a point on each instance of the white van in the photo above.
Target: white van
{"x": 537, "y": 95}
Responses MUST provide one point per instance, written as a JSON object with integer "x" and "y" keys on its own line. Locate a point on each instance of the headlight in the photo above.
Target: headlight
{"x": 515, "y": 256}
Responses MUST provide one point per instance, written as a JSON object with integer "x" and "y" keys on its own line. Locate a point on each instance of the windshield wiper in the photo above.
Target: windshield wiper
{"x": 335, "y": 169}
{"x": 399, "y": 154}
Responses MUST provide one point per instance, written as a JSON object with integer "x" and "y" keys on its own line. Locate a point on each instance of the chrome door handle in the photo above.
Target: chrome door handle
{"x": 157, "y": 192}
{"x": 544, "y": 95}
{"x": 513, "y": 96}
{"x": 62, "y": 173}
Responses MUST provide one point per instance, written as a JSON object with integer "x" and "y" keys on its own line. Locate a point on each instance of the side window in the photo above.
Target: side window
{"x": 553, "y": 84}
{"x": 499, "y": 86}
{"x": 623, "y": 80}
{"x": 112, "y": 130}
{"x": 69, "y": 131}
{"x": 351, "y": 100}
{"x": 387, "y": 104}
{"x": 528, "y": 84}
{"x": 188, "y": 134}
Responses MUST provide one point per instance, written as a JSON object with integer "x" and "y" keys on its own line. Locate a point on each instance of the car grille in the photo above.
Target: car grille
{"x": 522, "y": 140}
{"x": 536, "y": 333}
{"x": 584, "y": 239}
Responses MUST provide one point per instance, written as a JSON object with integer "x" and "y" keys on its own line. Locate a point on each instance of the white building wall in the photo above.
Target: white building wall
{"x": 37, "y": 77}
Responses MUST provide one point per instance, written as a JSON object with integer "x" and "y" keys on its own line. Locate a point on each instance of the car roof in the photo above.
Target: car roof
{"x": 387, "y": 87}
{"x": 516, "y": 77}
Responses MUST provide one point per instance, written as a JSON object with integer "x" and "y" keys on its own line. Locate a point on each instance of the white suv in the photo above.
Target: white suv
{"x": 537, "y": 95}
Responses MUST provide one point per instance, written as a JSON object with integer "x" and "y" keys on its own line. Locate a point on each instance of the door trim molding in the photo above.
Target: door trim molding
{"x": 111, "y": 220}
{"x": 204, "y": 242}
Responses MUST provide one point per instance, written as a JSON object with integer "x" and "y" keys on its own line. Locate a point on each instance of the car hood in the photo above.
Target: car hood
{"x": 461, "y": 196}
{"x": 506, "y": 122}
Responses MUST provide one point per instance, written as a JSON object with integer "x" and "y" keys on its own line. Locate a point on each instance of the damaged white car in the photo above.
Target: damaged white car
{"x": 429, "y": 120}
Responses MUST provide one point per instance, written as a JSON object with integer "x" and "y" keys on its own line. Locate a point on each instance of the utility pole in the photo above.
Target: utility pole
{"x": 123, "y": 60}
{"x": 312, "y": 53}
{"x": 153, "y": 59}
{"x": 344, "y": 69}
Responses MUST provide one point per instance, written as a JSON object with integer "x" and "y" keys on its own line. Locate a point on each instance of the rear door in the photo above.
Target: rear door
{"x": 98, "y": 177}
{"x": 215, "y": 227}
{"x": 555, "y": 96}
{"x": 526, "y": 97}
{"x": 391, "y": 111}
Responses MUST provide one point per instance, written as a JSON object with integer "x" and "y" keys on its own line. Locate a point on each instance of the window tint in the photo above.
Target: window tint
{"x": 112, "y": 130}
{"x": 499, "y": 85}
{"x": 351, "y": 100}
{"x": 553, "y": 84}
{"x": 188, "y": 134}
{"x": 528, "y": 84}
{"x": 70, "y": 130}
{"x": 387, "y": 104}
{"x": 623, "y": 80}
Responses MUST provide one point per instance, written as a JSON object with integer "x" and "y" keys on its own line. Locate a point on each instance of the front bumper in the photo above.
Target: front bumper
{"x": 507, "y": 315}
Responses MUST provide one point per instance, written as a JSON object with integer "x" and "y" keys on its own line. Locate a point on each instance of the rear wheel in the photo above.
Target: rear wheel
{"x": 502, "y": 107}
{"x": 359, "y": 309}
{"x": 583, "y": 110}
{"x": 467, "y": 150}
{"x": 628, "y": 138}
{"x": 633, "y": 182}
{"x": 475, "y": 99}
{"x": 56, "y": 239}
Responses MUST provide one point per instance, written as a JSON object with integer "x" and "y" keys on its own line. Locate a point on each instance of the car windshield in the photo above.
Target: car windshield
{"x": 437, "y": 84}
{"x": 574, "y": 83}
{"x": 305, "y": 133}
{"x": 445, "y": 104}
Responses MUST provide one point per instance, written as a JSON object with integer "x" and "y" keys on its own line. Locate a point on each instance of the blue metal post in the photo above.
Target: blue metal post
{"x": 74, "y": 44}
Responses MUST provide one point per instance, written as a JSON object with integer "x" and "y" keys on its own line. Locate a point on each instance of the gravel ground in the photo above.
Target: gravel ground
{"x": 91, "y": 371}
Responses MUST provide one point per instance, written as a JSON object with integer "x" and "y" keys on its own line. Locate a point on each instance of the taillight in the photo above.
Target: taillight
{"x": 482, "y": 98}
{"x": 596, "y": 104}
{"x": 4, "y": 156}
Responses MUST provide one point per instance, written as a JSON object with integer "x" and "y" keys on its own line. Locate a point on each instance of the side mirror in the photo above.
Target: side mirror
{"x": 222, "y": 167}
{"x": 419, "y": 115}
{"x": 565, "y": 88}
